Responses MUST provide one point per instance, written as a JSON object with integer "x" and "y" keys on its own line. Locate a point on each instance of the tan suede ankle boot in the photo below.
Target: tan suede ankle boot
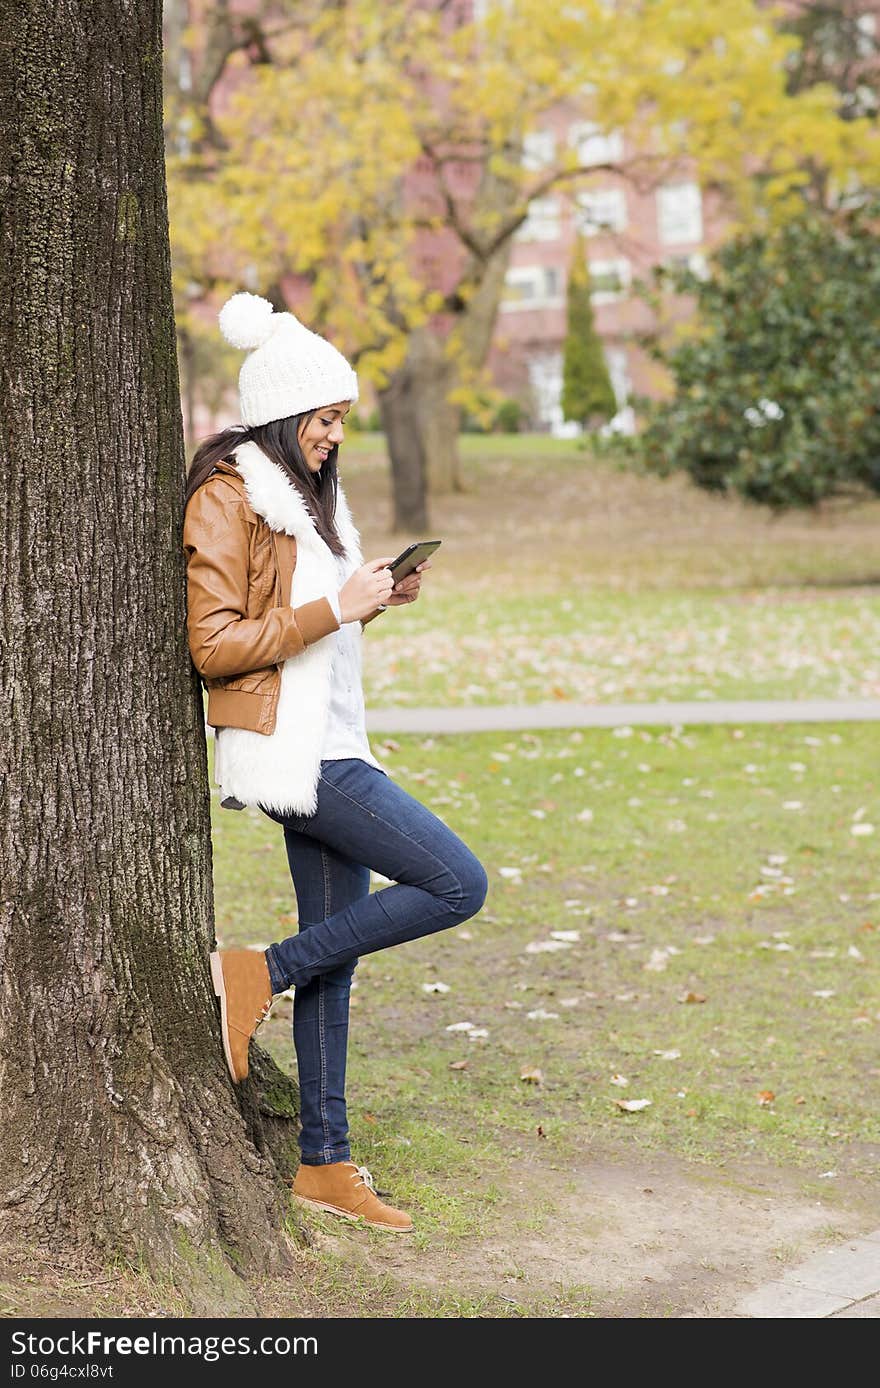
{"x": 241, "y": 982}
{"x": 343, "y": 1188}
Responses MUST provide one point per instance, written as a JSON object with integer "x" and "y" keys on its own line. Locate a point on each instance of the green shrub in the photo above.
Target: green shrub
{"x": 776, "y": 393}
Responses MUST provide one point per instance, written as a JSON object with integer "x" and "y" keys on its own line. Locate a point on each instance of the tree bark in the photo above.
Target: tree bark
{"x": 399, "y": 409}
{"x": 429, "y": 373}
{"x": 439, "y": 420}
{"x": 121, "y": 1131}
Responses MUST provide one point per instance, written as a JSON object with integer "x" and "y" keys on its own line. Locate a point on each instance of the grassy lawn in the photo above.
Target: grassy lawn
{"x": 730, "y": 865}
{"x": 688, "y": 920}
{"x": 561, "y": 577}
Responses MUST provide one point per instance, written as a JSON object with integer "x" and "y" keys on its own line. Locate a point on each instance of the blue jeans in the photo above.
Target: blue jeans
{"x": 363, "y": 821}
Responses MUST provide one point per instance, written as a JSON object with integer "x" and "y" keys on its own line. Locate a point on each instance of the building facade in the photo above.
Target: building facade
{"x": 630, "y": 229}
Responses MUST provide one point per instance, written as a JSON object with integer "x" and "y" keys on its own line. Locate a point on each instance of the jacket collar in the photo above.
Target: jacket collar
{"x": 281, "y": 506}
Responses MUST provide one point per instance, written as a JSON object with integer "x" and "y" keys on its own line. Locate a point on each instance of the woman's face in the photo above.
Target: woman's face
{"x": 324, "y": 429}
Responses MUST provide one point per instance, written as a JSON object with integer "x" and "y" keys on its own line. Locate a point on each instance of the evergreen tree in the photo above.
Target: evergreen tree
{"x": 587, "y": 393}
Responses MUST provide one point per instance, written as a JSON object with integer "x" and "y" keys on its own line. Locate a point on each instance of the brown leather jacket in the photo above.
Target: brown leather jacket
{"x": 240, "y": 624}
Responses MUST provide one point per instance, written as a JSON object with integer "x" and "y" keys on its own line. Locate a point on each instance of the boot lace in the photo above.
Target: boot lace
{"x": 363, "y": 1178}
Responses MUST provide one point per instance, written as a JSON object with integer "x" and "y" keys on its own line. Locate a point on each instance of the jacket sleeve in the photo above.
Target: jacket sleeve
{"x": 223, "y": 640}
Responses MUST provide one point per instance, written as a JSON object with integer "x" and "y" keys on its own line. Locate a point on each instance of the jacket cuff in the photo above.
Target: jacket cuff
{"x": 315, "y": 619}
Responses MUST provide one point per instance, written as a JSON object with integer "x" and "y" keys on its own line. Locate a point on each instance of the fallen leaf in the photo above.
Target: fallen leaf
{"x": 765, "y": 1097}
{"x": 570, "y": 937}
{"x": 658, "y": 961}
{"x": 620, "y": 1080}
{"x": 477, "y": 1034}
{"x": 632, "y": 1105}
{"x": 532, "y": 1074}
{"x": 460, "y": 1026}
{"x": 546, "y": 946}
{"x": 369, "y": 1118}
{"x": 800, "y": 1099}
{"x": 668, "y": 1055}
{"x": 540, "y": 1131}
{"x": 459, "y": 1064}
{"x": 540, "y": 1015}
{"x": 691, "y": 997}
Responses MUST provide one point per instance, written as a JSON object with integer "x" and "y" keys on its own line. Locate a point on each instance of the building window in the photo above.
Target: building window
{"x": 542, "y": 223}
{"x": 532, "y": 286}
{"x": 600, "y": 209}
{"x": 679, "y": 214}
{"x": 595, "y": 145}
{"x": 552, "y": 284}
{"x": 618, "y": 370}
{"x": 609, "y": 280}
{"x": 866, "y": 35}
{"x": 539, "y": 150}
{"x": 545, "y": 379}
{"x": 695, "y": 261}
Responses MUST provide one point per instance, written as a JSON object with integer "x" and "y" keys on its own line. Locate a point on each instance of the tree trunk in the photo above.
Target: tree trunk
{"x": 399, "y": 408}
{"x": 434, "y": 376}
{"x": 430, "y": 373}
{"x": 121, "y": 1131}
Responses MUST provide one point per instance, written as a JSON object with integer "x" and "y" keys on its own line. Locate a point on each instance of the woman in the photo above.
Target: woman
{"x": 277, "y": 598}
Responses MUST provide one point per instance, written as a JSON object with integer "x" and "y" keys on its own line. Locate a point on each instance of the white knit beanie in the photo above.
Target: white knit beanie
{"x": 292, "y": 369}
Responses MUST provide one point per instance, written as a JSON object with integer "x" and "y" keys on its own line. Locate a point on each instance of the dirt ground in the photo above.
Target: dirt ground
{"x": 648, "y": 1238}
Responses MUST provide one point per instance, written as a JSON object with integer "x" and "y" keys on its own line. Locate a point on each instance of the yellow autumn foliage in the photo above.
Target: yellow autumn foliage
{"x": 309, "y": 163}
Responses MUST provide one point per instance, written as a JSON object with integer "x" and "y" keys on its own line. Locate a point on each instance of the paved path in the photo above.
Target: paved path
{"x": 510, "y": 717}
{"x": 841, "y": 1283}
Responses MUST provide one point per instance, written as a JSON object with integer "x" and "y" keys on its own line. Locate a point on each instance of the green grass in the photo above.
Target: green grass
{"x": 561, "y": 577}
{"x": 599, "y": 647}
{"x": 715, "y": 848}
{"x": 717, "y": 862}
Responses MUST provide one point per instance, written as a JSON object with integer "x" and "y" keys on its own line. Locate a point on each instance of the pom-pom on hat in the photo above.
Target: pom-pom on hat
{"x": 289, "y": 370}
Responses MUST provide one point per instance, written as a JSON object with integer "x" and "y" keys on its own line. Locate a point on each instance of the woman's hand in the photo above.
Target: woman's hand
{"x": 367, "y": 588}
{"x": 407, "y": 590}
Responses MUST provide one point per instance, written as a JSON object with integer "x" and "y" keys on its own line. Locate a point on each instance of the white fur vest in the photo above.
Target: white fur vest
{"x": 281, "y": 769}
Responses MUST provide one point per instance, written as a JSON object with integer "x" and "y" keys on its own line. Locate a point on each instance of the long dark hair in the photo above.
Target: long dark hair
{"x": 279, "y": 440}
